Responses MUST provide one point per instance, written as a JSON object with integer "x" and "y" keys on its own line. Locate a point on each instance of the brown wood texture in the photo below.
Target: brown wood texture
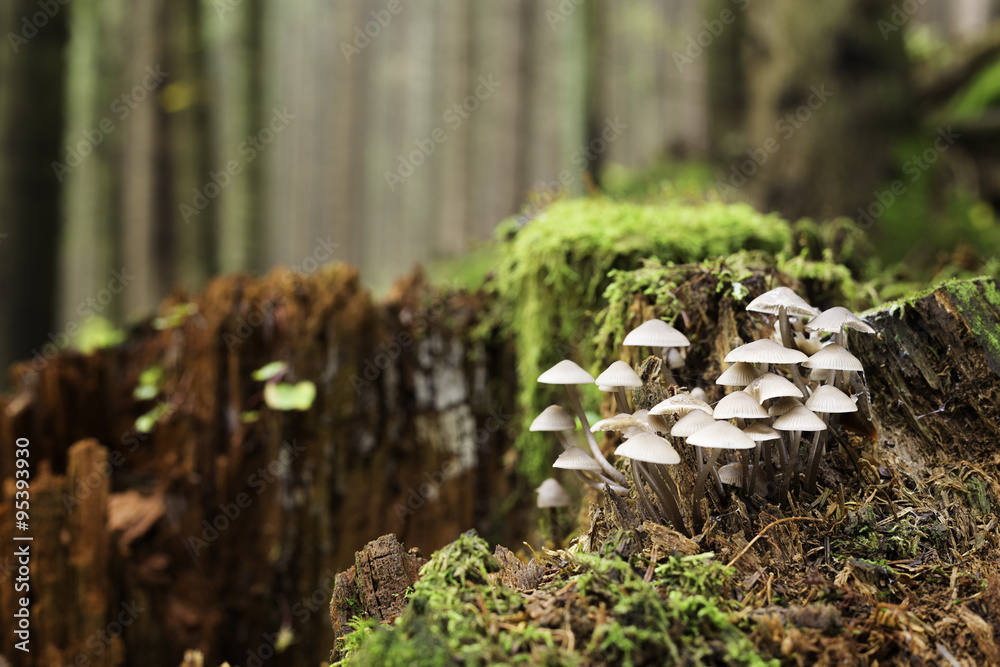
{"x": 222, "y": 532}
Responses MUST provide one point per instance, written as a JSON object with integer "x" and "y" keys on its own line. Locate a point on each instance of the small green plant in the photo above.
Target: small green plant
{"x": 150, "y": 384}
{"x": 282, "y": 395}
{"x": 175, "y": 317}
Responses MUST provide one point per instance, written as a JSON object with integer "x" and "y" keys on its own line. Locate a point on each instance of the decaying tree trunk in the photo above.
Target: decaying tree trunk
{"x": 214, "y": 531}
{"x": 934, "y": 374}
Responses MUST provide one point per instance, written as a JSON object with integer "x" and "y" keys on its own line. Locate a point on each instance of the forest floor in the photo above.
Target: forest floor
{"x": 886, "y": 569}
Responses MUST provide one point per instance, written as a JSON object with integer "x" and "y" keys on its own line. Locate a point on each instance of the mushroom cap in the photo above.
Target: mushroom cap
{"x": 835, "y": 358}
{"x": 680, "y": 404}
{"x": 552, "y": 494}
{"x": 690, "y": 423}
{"x": 619, "y": 374}
{"x": 759, "y": 432}
{"x": 739, "y": 374}
{"x": 731, "y": 473}
{"x": 674, "y": 359}
{"x": 699, "y": 394}
{"x": 765, "y": 351}
{"x": 721, "y": 435}
{"x": 783, "y": 405}
{"x": 829, "y": 399}
{"x": 832, "y": 320}
{"x": 650, "y": 449}
{"x": 799, "y": 419}
{"x": 656, "y": 333}
{"x": 575, "y": 458}
{"x": 770, "y": 385}
{"x": 739, "y": 404}
{"x": 553, "y": 418}
{"x": 770, "y": 302}
{"x": 620, "y": 422}
{"x": 566, "y": 372}
{"x": 818, "y": 374}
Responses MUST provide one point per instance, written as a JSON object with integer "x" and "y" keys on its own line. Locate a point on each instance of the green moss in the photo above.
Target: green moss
{"x": 979, "y": 303}
{"x": 456, "y": 614}
{"x": 556, "y": 268}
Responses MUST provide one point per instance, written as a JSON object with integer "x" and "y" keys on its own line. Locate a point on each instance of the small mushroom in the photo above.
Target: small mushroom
{"x": 718, "y": 436}
{"x": 769, "y": 386}
{"x": 620, "y": 375}
{"x": 648, "y": 448}
{"x": 556, "y": 420}
{"x": 740, "y": 405}
{"x": 835, "y": 320}
{"x": 680, "y": 404}
{"x": 795, "y": 421}
{"x": 660, "y": 335}
{"x": 782, "y": 301}
{"x": 551, "y": 496}
{"x": 826, "y": 400}
{"x": 576, "y": 459}
{"x": 568, "y": 373}
{"x": 739, "y": 374}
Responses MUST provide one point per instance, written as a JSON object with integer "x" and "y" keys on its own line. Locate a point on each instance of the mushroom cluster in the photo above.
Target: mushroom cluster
{"x": 770, "y": 410}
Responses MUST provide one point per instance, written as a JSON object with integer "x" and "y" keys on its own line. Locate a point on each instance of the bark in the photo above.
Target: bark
{"x": 225, "y": 531}
{"x": 933, "y": 375}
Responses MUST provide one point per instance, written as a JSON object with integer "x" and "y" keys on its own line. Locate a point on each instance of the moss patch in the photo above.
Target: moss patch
{"x": 591, "y": 609}
{"x": 555, "y": 270}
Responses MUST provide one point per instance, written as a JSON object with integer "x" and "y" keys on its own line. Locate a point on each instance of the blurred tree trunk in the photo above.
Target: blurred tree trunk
{"x": 31, "y": 116}
{"x": 827, "y": 95}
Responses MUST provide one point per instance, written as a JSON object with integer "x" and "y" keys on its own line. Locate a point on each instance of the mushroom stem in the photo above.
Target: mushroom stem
{"x": 793, "y": 464}
{"x": 745, "y": 459}
{"x": 765, "y": 457}
{"x": 789, "y": 342}
{"x": 665, "y": 372}
{"x": 574, "y": 398}
{"x": 699, "y": 489}
{"x": 812, "y": 465}
{"x": 604, "y": 483}
{"x": 561, "y": 437}
{"x": 641, "y": 490}
{"x": 667, "y": 494}
{"x": 622, "y": 400}
{"x": 554, "y": 528}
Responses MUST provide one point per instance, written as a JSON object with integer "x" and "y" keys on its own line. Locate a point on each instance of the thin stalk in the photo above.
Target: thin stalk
{"x": 699, "y": 489}
{"x": 605, "y": 482}
{"x": 641, "y": 490}
{"x": 574, "y": 398}
{"x": 793, "y": 463}
{"x": 789, "y": 342}
{"x": 554, "y": 528}
{"x": 665, "y": 372}
{"x": 815, "y": 454}
{"x": 622, "y": 400}
{"x": 668, "y": 501}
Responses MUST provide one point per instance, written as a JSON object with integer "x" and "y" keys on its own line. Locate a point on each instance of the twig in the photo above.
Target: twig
{"x": 767, "y": 528}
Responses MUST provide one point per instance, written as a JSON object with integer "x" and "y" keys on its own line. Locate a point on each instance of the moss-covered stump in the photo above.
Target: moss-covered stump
{"x": 934, "y": 374}
{"x": 224, "y": 519}
{"x": 894, "y": 561}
